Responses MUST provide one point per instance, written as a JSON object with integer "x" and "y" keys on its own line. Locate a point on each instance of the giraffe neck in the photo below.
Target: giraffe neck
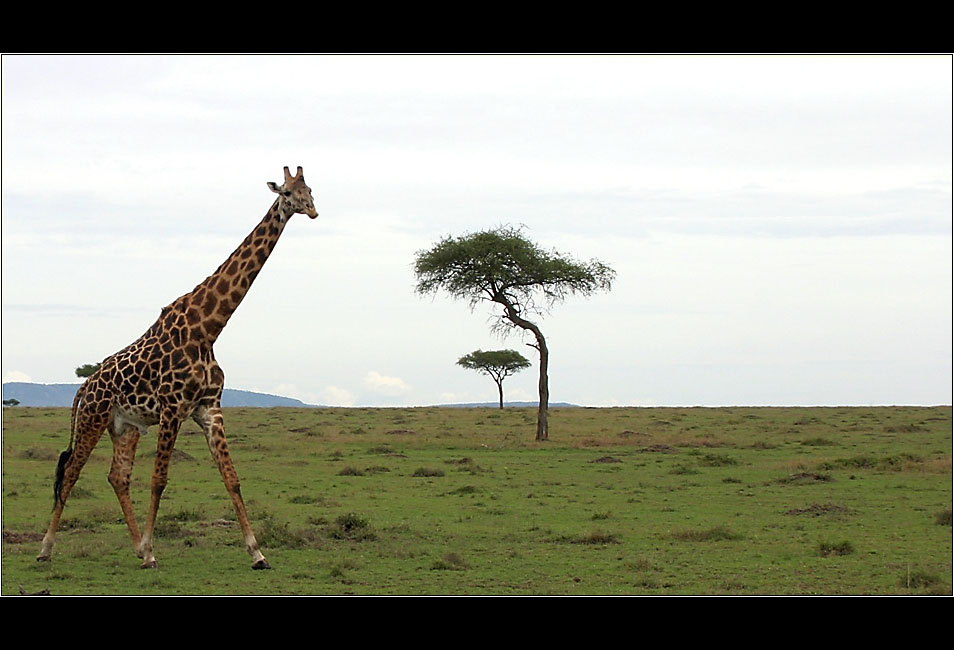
{"x": 212, "y": 303}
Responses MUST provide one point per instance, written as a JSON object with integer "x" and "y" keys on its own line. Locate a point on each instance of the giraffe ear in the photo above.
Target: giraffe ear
{"x": 274, "y": 187}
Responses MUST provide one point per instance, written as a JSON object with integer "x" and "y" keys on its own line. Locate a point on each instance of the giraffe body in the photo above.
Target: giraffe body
{"x": 170, "y": 374}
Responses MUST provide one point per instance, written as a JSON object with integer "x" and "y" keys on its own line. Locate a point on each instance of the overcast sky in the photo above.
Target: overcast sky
{"x": 781, "y": 227}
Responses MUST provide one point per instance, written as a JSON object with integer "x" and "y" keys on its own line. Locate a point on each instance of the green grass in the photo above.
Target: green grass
{"x": 463, "y": 501}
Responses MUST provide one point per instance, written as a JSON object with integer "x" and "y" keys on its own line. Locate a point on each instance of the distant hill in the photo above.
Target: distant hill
{"x": 506, "y": 405}
{"x": 51, "y": 395}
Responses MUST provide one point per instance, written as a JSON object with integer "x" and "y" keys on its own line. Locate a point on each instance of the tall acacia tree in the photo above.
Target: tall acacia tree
{"x": 504, "y": 267}
{"x": 497, "y": 364}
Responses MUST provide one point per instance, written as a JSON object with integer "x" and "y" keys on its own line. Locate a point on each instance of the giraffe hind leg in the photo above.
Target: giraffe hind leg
{"x": 89, "y": 429}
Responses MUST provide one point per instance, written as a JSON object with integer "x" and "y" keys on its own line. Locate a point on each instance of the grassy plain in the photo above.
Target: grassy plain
{"x": 650, "y": 501}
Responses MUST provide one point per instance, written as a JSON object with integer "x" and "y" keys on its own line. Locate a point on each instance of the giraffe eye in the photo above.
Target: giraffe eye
{"x": 287, "y": 193}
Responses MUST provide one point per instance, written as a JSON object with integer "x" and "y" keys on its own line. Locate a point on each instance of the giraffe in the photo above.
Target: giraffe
{"x": 168, "y": 375}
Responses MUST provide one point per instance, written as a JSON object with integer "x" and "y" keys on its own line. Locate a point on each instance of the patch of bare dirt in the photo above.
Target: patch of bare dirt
{"x": 819, "y": 509}
{"x": 805, "y": 477}
{"x": 662, "y": 449}
{"x": 24, "y": 592}
{"x": 631, "y": 434}
{"x": 12, "y": 537}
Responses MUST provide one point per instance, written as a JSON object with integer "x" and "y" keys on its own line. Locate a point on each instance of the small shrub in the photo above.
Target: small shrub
{"x": 381, "y": 449}
{"x": 919, "y": 579}
{"x": 715, "y": 534}
{"x": 802, "y": 478}
{"x": 595, "y": 537}
{"x": 943, "y": 518}
{"x": 683, "y": 470}
{"x": 450, "y": 562}
{"x": 351, "y": 521}
{"x": 893, "y": 463}
{"x": 467, "y": 464}
{"x": 831, "y": 549}
{"x": 277, "y": 534}
{"x": 351, "y": 471}
{"x": 906, "y": 428}
{"x": 427, "y": 472}
{"x": 351, "y": 526}
{"x": 818, "y": 442}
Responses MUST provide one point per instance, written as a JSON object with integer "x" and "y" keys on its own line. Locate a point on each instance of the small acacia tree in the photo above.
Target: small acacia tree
{"x": 498, "y": 364}
{"x": 504, "y": 267}
{"x": 87, "y": 369}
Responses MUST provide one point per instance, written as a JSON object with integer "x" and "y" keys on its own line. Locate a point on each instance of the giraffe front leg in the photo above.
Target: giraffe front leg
{"x": 168, "y": 430}
{"x": 213, "y": 424}
{"x": 124, "y": 452}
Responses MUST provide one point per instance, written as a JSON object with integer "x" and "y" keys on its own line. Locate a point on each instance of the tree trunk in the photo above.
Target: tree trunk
{"x": 543, "y": 427}
{"x": 500, "y": 390}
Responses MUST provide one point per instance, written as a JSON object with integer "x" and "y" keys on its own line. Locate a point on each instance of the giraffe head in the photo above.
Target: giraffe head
{"x": 295, "y": 194}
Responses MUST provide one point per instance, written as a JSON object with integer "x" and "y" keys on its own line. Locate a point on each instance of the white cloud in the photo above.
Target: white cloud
{"x": 334, "y": 396}
{"x": 16, "y": 375}
{"x": 385, "y": 385}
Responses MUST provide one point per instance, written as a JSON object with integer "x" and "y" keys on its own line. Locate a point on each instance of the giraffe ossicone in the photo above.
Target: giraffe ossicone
{"x": 170, "y": 374}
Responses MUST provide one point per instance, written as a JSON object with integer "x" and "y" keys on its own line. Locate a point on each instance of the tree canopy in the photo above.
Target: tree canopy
{"x": 87, "y": 369}
{"x": 498, "y": 364}
{"x": 504, "y": 267}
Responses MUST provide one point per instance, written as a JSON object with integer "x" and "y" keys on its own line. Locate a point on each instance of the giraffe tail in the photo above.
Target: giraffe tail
{"x": 60, "y": 471}
{"x": 66, "y": 455}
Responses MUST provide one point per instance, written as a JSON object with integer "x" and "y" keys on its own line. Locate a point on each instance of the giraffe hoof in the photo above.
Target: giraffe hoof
{"x": 42, "y": 558}
{"x": 151, "y": 564}
{"x": 261, "y": 564}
